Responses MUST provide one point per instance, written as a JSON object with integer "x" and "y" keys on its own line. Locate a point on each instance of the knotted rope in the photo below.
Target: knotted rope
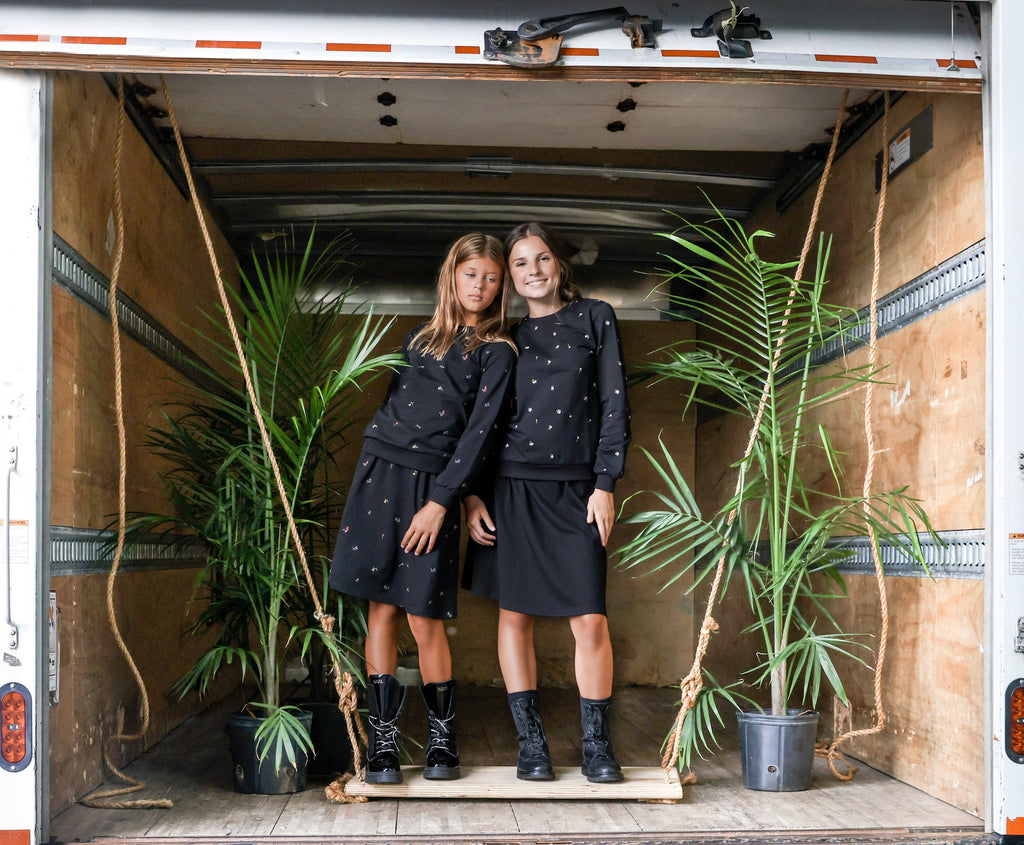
{"x": 691, "y": 685}
{"x": 342, "y": 681}
{"x": 97, "y": 800}
{"x": 831, "y": 751}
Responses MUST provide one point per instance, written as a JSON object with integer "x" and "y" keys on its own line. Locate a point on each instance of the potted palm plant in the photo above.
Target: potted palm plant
{"x": 780, "y": 535}
{"x": 307, "y": 365}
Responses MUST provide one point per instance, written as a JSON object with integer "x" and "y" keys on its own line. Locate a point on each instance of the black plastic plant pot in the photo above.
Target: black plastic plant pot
{"x": 330, "y": 740}
{"x": 256, "y": 777}
{"x": 777, "y": 751}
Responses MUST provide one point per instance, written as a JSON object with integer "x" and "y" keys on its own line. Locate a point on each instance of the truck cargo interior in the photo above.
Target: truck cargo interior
{"x": 400, "y": 164}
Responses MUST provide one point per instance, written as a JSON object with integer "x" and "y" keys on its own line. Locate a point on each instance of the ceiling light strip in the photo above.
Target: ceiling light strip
{"x": 498, "y": 166}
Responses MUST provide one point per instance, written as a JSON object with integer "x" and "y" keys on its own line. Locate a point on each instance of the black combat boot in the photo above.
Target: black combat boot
{"x": 534, "y": 758}
{"x": 385, "y": 696}
{"x": 599, "y": 764}
{"x": 442, "y": 755}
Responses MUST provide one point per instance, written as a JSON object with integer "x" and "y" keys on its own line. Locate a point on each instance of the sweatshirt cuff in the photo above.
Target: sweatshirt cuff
{"x": 443, "y": 496}
{"x": 606, "y": 483}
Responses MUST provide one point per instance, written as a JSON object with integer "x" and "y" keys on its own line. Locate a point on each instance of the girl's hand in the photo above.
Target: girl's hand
{"x": 424, "y": 528}
{"x": 601, "y": 512}
{"x": 478, "y": 521}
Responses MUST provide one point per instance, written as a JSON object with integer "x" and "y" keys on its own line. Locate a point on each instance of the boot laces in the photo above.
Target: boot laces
{"x": 385, "y": 735}
{"x": 439, "y": 733}
{"x": 594, "y": 736}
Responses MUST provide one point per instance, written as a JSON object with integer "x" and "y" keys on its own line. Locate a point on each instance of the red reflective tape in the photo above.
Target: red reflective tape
{"x": 231, "y": 45}
{"x": 475, "y": 51}
{"x": 959, "y": 63}
{"x": 24, "y": 37}
{"x": 690, "y": 54}
{"x": 580, "y": 51}
{"x": 861, "y": 60}
{"x": 91, "y": 39}
{"x": 360, "y": 48}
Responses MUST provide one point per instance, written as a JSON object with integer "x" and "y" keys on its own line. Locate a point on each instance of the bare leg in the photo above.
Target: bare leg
{"x": 593, "y": 655}
{"x": 434, "y": 652}
{"x": 381, "y": 651}
{"x": 516, "y": 652}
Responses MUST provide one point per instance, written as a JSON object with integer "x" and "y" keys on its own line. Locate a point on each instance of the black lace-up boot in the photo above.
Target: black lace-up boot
{"x": 442, "y": 754}
{"x": 534, "y": 757}
{"x": 599, "y": 764}
{"x": 385, "y": 696}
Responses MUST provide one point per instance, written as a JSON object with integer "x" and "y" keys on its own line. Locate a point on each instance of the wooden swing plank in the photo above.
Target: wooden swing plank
{"x": 642, "y": 783}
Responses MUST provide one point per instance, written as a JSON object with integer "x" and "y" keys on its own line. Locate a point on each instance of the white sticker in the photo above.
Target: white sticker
{"x": 1017, "y": 554}
{"x": 899, "y": 151}
{"x": 18, "y": 540}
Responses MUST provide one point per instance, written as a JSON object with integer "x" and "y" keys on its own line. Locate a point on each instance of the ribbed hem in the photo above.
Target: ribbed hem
{"x": 405, "y": 457}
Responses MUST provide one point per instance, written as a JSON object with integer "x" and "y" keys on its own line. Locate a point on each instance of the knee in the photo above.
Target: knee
{"x": 516, "y": 625}
{"x": 591, "y": 630}
{"x": 426, "y": 631}
{"x": 382, "y": 615}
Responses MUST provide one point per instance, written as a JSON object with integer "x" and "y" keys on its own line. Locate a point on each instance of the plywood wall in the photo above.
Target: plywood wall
{"x": 166, "y": 271}
{"x": 930, "y": 430}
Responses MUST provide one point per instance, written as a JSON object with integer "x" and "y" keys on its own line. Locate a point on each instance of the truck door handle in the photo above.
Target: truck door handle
{"x": 536, "y": 43}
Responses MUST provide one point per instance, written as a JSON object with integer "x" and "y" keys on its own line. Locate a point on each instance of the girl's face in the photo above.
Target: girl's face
{"x": 477, "y": 283}
{"x": 536, "y": 275}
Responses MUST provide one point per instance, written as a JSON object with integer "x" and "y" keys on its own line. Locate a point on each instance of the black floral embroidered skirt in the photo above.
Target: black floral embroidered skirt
{"x": 369, "y": 561}
{"x": 547, "y": 560}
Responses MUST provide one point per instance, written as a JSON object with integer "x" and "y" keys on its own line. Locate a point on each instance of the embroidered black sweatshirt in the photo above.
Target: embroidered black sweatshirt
{"x": 442, "y": 416}
{"x": 570, "y": 417}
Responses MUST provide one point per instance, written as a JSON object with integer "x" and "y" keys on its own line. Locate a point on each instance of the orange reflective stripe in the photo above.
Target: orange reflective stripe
{"x": 92, "y": 39}
{"x": 475, "y": 51}
{"x": 231, "y": 45}
{"x": 690, "y": 54}
{"x": 24, "y": 37}
{"x": 863, "y": 60}
{"x": 360, "y": 48}
{"x": 959, "y": 63}
{"x": 580, "y": 51}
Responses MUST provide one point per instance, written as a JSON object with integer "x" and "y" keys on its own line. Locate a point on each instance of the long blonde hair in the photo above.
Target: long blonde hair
{"x": 444, "y": 328}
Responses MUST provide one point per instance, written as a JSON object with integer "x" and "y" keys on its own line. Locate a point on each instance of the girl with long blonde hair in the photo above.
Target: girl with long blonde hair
{"x": 398, "y": 544}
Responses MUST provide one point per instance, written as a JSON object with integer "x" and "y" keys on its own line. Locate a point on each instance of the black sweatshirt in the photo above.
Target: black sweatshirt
{"x": 570, "y": 419}
{"x": 442, "y": 416}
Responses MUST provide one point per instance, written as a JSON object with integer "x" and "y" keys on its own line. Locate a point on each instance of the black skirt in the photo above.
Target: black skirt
{"x": 368, "y": 559}
{"x": 546, "y": 560}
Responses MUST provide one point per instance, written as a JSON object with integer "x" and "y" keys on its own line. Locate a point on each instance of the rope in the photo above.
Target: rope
{"x": 97, "y": 799}
{"x": 831, "y": 752}
{"x": 342, "y": 683}
{"x": 691, "y": 685}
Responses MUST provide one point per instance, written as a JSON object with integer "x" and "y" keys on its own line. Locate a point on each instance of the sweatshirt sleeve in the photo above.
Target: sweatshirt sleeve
{"x": 614, "y": 437}
{"x": 498, "y": 367}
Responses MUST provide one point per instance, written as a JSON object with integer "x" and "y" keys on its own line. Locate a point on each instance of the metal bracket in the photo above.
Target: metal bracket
{"x": 536, "y": 43}
{"x": 733, "y": 29}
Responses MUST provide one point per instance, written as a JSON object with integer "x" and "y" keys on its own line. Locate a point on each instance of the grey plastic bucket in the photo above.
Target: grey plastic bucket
{"x": 777, "y": 751}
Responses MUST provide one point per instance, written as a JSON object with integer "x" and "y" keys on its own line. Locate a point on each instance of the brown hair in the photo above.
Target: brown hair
{"x": 445, "y": 326}
{"x": 567, "y": 289}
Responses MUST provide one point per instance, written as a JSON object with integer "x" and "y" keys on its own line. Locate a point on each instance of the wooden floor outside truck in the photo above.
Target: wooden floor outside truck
{"x": 192, "y": 767}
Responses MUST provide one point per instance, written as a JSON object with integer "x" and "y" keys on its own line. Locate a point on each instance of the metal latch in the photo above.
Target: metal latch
{"x": 537, "y": 43}
{"x": 733, "y": 29}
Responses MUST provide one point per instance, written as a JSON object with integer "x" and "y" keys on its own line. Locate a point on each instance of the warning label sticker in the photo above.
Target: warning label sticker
{"x": 1017, "y": 554}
